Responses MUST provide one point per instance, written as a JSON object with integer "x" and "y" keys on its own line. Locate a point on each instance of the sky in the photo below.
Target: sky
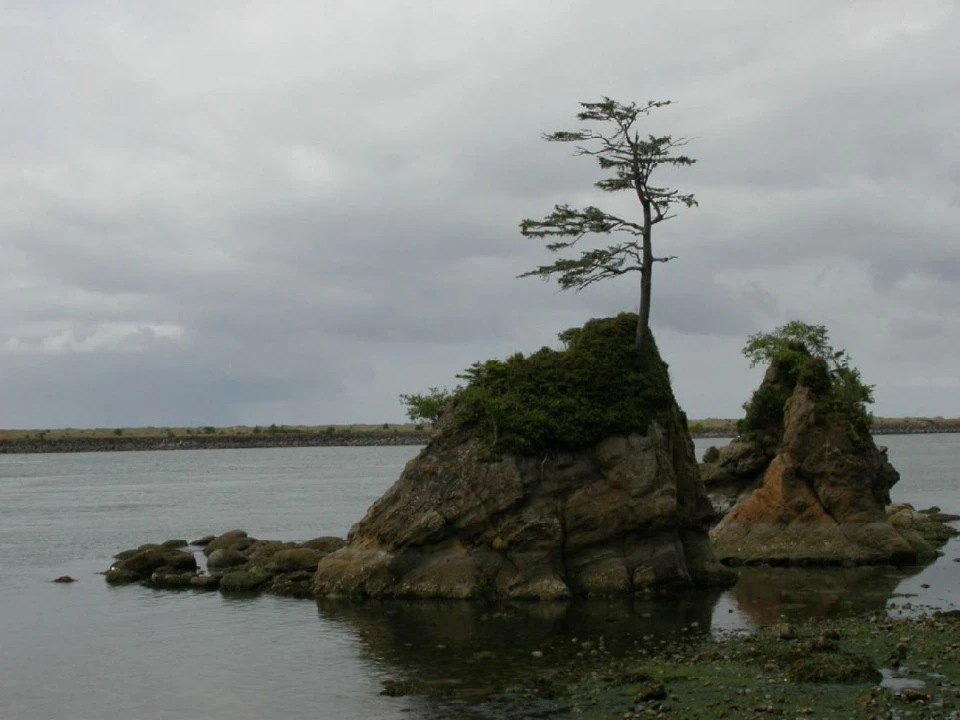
{"x": 246, "y": 212}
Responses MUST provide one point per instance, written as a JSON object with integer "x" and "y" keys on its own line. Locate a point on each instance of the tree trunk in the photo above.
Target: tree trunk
{"x": 646, "y": 282}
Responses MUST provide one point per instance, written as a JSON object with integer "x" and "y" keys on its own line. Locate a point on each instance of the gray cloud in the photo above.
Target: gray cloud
{"x": 292, "y": 212}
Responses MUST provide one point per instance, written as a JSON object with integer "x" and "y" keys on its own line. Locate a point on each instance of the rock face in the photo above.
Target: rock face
{"x": 820, "y": 499}
{"x": 734, "y": 471}
{"x": 626, "y": 514}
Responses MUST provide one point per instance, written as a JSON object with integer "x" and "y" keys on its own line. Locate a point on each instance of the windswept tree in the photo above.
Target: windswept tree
{"x": 629, "y": 160}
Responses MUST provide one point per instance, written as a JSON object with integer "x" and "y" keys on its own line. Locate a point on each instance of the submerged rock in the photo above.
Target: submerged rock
{"x": 243, "y": 580}
{"x": 821, "y": 498}
{"x": 205, "y": 582}
{"x": 170, "y": 579}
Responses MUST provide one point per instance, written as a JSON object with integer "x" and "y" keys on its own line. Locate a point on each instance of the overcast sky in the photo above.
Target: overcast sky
{"x": 228, "y": 212}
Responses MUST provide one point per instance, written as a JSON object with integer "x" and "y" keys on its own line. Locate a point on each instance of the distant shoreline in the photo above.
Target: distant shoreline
{"x": 207, "y": 442}
{"x": 209, "y": 438}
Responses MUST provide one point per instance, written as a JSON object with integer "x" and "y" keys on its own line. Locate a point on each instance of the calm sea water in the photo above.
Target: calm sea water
{"x": 88, "y": 650}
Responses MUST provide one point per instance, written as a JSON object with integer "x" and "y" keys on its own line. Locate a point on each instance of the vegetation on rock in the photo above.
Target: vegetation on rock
{"x": 427, "y": 406}
{"x": 570, "y": 398}
{"x": 801, "y": 353}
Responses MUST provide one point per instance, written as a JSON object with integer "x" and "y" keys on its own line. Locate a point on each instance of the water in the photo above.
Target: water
{"x": 88, "y": 650}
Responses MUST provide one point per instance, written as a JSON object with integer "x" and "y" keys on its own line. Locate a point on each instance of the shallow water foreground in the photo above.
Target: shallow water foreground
{"x": 87, "y": 650}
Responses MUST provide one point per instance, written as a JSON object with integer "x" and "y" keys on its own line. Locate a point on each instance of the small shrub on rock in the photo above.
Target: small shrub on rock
{"x": 567, "y": 399}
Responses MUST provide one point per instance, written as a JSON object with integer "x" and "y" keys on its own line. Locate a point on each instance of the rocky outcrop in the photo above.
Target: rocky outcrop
{"x": 734, "y": 471}
{"x": 628, "y": 513}
{"x": 236, "y": 563}
{"x": 821, "y": 498}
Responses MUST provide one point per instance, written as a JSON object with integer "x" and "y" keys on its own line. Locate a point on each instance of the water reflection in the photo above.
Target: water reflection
{"x": 764, "y": 595}
{"x": 473, "y": 655}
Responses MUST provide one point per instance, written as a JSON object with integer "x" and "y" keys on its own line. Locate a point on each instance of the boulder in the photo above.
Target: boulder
{"x": 627, "y": 513}
{"x": 291, "y": 560}
{"x": 124, "y": 554}
{"x": 821, "y": 498}
{"x": 205, "y": 582}
{"x": 225, "y": 558}
{"x": 141, "y": 565}
{"x": 260, "y": 552}
{"x": 170, "y": 579}
{"x": 297, "y": 584}
{"x": 230, "y": 540}
{"x": 930, "y": 524}
{"x": 325, "y": 544}
{"x": 177, "y": 543}
{"x": 242, "y": 581}
{"x": 204, "y": 541}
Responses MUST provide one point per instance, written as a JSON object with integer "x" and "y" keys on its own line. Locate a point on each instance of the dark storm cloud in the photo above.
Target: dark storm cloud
{"x": 292, "y": 211}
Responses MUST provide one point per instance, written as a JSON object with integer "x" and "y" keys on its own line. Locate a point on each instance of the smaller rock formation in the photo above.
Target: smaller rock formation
{"x": 734, "y": 471}
{"x": 236, "y": 562}
{"x": 821, "y": 497}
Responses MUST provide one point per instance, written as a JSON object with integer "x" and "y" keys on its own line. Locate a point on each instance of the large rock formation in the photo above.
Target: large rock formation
{"x": 821, "y": 496}
{"x": 627, "y": 512}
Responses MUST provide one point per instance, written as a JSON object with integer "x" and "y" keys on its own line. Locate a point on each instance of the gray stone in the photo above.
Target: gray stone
{"x": 225, "y": 558}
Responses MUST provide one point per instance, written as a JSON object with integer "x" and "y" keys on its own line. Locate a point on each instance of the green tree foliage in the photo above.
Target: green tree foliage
{"x": 802, "y": 353}
{"x": 427, "y": 406}
{"x": 628, "y": 160}
{"x": 570, "y": 398}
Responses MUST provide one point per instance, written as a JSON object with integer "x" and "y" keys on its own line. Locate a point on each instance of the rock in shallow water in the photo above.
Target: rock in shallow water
{"x": 142, "y": 564}
{"x": 225, "y": 558}
{"x": 241, "y": 581}
{"x": 626, "y": 514}
{"x": 822, "y": 496}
